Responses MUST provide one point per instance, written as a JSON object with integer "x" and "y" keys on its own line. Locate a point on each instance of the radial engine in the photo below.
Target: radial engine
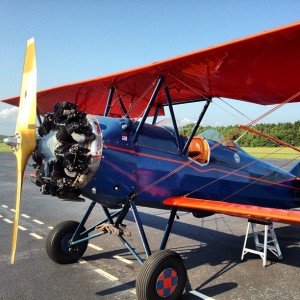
{"x": 68, "y": 151}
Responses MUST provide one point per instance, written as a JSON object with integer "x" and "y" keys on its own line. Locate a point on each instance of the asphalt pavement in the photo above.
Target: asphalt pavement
{"x": 211, "y": 248}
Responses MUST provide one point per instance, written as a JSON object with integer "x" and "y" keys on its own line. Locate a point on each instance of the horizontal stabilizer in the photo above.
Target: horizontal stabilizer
{"x": 239, "y": 210}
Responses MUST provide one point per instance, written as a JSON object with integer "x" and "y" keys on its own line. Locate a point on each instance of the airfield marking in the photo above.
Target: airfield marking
{"x": 8, "y": 221}
{"x": 122, "y": 259}
{"x": 36, "y": 236}
{"x": 200, "y": 295}
{"x": 38, "y": 222}
{"x": 25, "y": 216}
{"x": 82, "y": 261}
{"x": 22, "y": 228}
{"x": 95, "y": 247}
{"x": 106, "y": 275}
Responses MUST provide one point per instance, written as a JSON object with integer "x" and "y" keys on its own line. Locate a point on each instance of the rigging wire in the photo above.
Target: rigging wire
{"x": 150, "y": 87}
{"x": 260, "y": 178}
{"x": 218, "y": 143}
{"x": 232, "y": 173}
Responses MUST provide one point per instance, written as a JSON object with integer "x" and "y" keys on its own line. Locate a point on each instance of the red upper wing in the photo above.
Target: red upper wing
{"x": 260, "y": 69}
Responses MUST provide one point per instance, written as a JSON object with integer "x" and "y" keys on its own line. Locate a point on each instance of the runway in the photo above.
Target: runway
{"x": 211, "y": 248}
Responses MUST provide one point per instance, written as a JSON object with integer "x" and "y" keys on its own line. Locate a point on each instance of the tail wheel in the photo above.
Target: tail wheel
{"x": 163, "y": 276}
{"x": 58, "y": 243}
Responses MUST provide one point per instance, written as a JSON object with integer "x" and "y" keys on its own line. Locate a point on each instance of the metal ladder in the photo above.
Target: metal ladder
{"x": 261, "y": 248}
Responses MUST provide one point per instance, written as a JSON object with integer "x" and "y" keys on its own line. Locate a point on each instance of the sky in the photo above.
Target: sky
{"x": 78, "y": 40}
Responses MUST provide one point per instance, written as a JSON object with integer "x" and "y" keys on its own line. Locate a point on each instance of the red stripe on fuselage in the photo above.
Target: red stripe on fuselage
{"x": 190, "y": 162}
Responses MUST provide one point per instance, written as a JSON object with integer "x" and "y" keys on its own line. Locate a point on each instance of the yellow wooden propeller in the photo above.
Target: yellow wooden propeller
{"x": 25, "y": 135}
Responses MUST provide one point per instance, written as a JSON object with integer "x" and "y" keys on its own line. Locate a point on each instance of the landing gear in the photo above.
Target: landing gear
{"x": 163, "y": 276}
{"x": 58, "y": 245}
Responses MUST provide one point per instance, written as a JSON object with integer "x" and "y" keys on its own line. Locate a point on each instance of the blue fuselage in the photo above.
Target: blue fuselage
{"x": 153, "y": 169}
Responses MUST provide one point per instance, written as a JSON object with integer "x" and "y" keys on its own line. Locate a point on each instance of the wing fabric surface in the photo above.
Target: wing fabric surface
{"x": 261, "y": 69}
{"x": 237, "y": 210}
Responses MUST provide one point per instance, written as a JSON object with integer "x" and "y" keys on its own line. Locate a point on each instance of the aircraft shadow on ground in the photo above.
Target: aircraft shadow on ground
{"x": 216, "y": 248}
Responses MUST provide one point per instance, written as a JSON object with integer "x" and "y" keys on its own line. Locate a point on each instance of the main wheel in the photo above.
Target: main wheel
{"x": 163, "y": 276}
{"x": 58, "y": 243}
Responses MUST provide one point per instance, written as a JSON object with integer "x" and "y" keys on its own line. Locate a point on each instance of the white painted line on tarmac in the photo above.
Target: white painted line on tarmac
{"x": 5, "y": 206}
{"x": 36, "y": 236}
{"x": 25, "y": 216}
{"x": 1, "y": 216}
{"x": 22, "y": 228}
{"x": 95, "y": 247}
{"x": 8, "y": 221}
{"x": 38, "y": 222}
{"x": 106, "y": 275}
{"x": 124, "y": 260}
{"x": 133, "y": 291}
{"x": 82, "y": 261}
{"x": 13, "y": 210}
{"x": 200, "y": 295}
{"x": 50, "y": 227}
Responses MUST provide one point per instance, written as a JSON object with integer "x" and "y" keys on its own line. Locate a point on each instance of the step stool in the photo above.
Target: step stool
{"x": 261, "y": 248}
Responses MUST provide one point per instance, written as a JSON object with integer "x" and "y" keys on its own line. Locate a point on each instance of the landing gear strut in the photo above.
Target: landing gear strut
{"x": 163, "y": 274}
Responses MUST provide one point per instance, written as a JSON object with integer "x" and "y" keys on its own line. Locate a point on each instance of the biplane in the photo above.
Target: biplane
{"x": 94, "y": 140}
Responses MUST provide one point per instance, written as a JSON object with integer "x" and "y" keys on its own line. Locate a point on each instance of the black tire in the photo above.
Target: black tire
{"x": 151, "y": 283}
{"x": 57, "y": 244}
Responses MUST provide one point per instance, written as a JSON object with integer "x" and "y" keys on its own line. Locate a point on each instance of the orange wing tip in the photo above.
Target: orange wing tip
{"x": 238, "y": 210}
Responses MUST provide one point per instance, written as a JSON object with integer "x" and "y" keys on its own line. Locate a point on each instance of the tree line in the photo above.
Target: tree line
{"x": 287, "y": 132}
{"x": 2, "y": 137}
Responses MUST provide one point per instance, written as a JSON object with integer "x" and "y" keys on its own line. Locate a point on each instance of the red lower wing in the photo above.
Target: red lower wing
{"x": 238, "y": 210}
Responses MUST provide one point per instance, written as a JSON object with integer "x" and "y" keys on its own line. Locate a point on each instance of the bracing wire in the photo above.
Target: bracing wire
{"x": 252, "y": 122}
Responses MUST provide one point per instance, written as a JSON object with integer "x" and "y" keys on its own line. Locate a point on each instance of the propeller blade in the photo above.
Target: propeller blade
{"x": 25, "y": 129}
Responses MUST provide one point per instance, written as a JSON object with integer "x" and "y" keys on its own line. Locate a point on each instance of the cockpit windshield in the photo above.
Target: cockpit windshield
{"x": 213, "y": 135}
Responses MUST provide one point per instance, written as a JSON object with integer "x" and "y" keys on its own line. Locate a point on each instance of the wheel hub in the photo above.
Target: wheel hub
{"x": 166, "y": 282}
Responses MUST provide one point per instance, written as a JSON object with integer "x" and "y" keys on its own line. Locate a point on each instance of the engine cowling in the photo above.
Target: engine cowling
{"x": 68, "y": 151}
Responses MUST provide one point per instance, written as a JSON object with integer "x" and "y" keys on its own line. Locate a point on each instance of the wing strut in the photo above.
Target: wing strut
{"x": 109, "y": 99}
{"x": 149, "y": 106}
{"x": 186, "y": 146}
{"x": 173, "y": 118}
